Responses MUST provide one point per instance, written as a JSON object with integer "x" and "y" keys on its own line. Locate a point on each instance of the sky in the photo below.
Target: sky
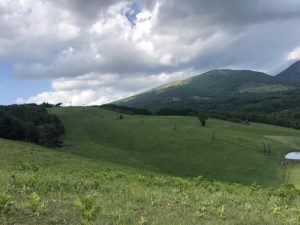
{"x": 98, "y": 51}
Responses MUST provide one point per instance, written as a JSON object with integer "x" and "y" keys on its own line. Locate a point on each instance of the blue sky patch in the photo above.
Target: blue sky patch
{"x": 131, "y": 11}
{"x": 11, "y": 88}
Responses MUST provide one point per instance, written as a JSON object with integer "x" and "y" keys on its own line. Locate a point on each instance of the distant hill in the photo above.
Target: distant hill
{"x": 234, "y": 95}
{"x": 291, "y": 74}
{"x": 210, "y": 85}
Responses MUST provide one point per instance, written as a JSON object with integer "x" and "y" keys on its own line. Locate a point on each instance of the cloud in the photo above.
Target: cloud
{"x": 78, "y": 97}
{"x": 294, "y": 55}
{"x": 97, "y": 89}
{"x": 68, "y": 42}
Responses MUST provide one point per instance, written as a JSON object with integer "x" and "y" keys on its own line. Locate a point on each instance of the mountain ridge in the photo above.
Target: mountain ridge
{"x": 211, "y": 84}
{"x": 291, "y": 74}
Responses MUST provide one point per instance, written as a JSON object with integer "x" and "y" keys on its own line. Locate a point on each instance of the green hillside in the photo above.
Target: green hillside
{"x": 114, "y": 171}
{"x": 291, "y": 75}
{"x": 233, "y": 95}
{"x": 186, "y": 152}
{"x": 205, "y": 86}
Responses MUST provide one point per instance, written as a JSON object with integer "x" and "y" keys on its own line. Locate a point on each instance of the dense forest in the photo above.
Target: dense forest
{"x": 277, "y": 108}
{"x": 31, "y": 123}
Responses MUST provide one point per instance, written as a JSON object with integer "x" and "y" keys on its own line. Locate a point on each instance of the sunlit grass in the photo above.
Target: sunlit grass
{"x": 122, "y": 172}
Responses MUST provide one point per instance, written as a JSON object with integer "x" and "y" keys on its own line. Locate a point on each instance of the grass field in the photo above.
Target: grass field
{"x": 294, "y": 175}
{"x": 235, "y": 156}
{"x": 114, "y": 171}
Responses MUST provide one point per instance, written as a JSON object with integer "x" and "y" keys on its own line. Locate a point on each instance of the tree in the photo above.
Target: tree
{"x": 25, "y": 123}
{"x": 48, "y": 136}
{"x": 202, "y": 118}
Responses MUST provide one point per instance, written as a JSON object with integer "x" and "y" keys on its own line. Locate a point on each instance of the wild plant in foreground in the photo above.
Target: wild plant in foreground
{"x": 87, "y": 208}
{"x": 6, "y": 205}
{"x": 34, "y": 205}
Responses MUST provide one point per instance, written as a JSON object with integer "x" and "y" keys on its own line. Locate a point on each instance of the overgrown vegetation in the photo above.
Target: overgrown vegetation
{"x": 123, "y": 172}
{"x": 31, "y": 123}
{"x": 70, "y": 189}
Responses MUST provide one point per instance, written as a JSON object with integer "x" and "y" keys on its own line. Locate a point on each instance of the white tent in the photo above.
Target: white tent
{"x": 293, "y": 156}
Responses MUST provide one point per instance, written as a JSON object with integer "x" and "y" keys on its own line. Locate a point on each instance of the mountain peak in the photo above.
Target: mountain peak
{"x": 291, "y": 74}
{"x": 295, "y": 66}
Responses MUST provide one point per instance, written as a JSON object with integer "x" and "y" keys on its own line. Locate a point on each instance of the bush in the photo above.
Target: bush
{"x": 87, "y": 208}
{"x": 202, "y": 118}
{"x": 6, "y": 204}
{"x": 34, "y": 205}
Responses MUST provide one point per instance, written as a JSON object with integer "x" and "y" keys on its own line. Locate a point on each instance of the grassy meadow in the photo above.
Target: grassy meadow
{"x": 189, "y": 151}
{"x": 135, "y": 171}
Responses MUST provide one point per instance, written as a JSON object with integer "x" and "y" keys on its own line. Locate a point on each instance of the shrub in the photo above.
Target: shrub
{"x": 6, "y": 204}
{"x": 87, "y": 208}
{"x": 25, "y": 166}
{"x": 34, "y": 205}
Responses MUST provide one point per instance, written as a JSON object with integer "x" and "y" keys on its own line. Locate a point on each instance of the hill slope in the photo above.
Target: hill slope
{"x": 210, "y": 85}
{"x": 121, "y": 172}
{"x": 186, "y": 152}
{"x": 291, "y": 74}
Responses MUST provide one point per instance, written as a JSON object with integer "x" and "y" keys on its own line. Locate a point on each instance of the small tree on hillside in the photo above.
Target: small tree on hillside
{"x": 48, "y": 136}
{"x": 202, "y": 118}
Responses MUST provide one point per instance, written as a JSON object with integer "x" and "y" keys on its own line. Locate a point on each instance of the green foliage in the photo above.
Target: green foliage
{"x": 30, "y": 123}
{"x": 6, "y": 204}
{"x": 48, "y": 136}
{"x": 131, "y": 196}
{"x": 125, "y": 109}
{"x": 202, "y": 117}
{"x": 150, "y": 174}
{"x": 26, "y": 166}
{"x": 87, "y": 208}
{"x": 34, "y": 205}
{"x": 287, "y": 191}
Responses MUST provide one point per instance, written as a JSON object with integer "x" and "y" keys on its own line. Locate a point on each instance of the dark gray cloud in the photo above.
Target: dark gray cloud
{"x": 230, "y": 11}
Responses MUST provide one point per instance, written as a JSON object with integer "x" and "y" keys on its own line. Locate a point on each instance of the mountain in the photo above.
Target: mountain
{"x": 210, "y": 85}
{"x": 291, "y": 74}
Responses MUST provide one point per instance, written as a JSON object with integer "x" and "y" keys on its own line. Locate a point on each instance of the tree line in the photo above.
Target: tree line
{"x": 126, "y": 109}
{"x": 31, "y": 123}
{"x": 276, "y": 108}
{"x": 285, "y": 118}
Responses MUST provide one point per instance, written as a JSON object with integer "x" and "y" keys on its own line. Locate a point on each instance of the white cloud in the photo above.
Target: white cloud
{"x": 294, "y": 55}
{"x": 78, "y": 97}
{"x": 97, "y": 89}
{"x": 67, "y": 31}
